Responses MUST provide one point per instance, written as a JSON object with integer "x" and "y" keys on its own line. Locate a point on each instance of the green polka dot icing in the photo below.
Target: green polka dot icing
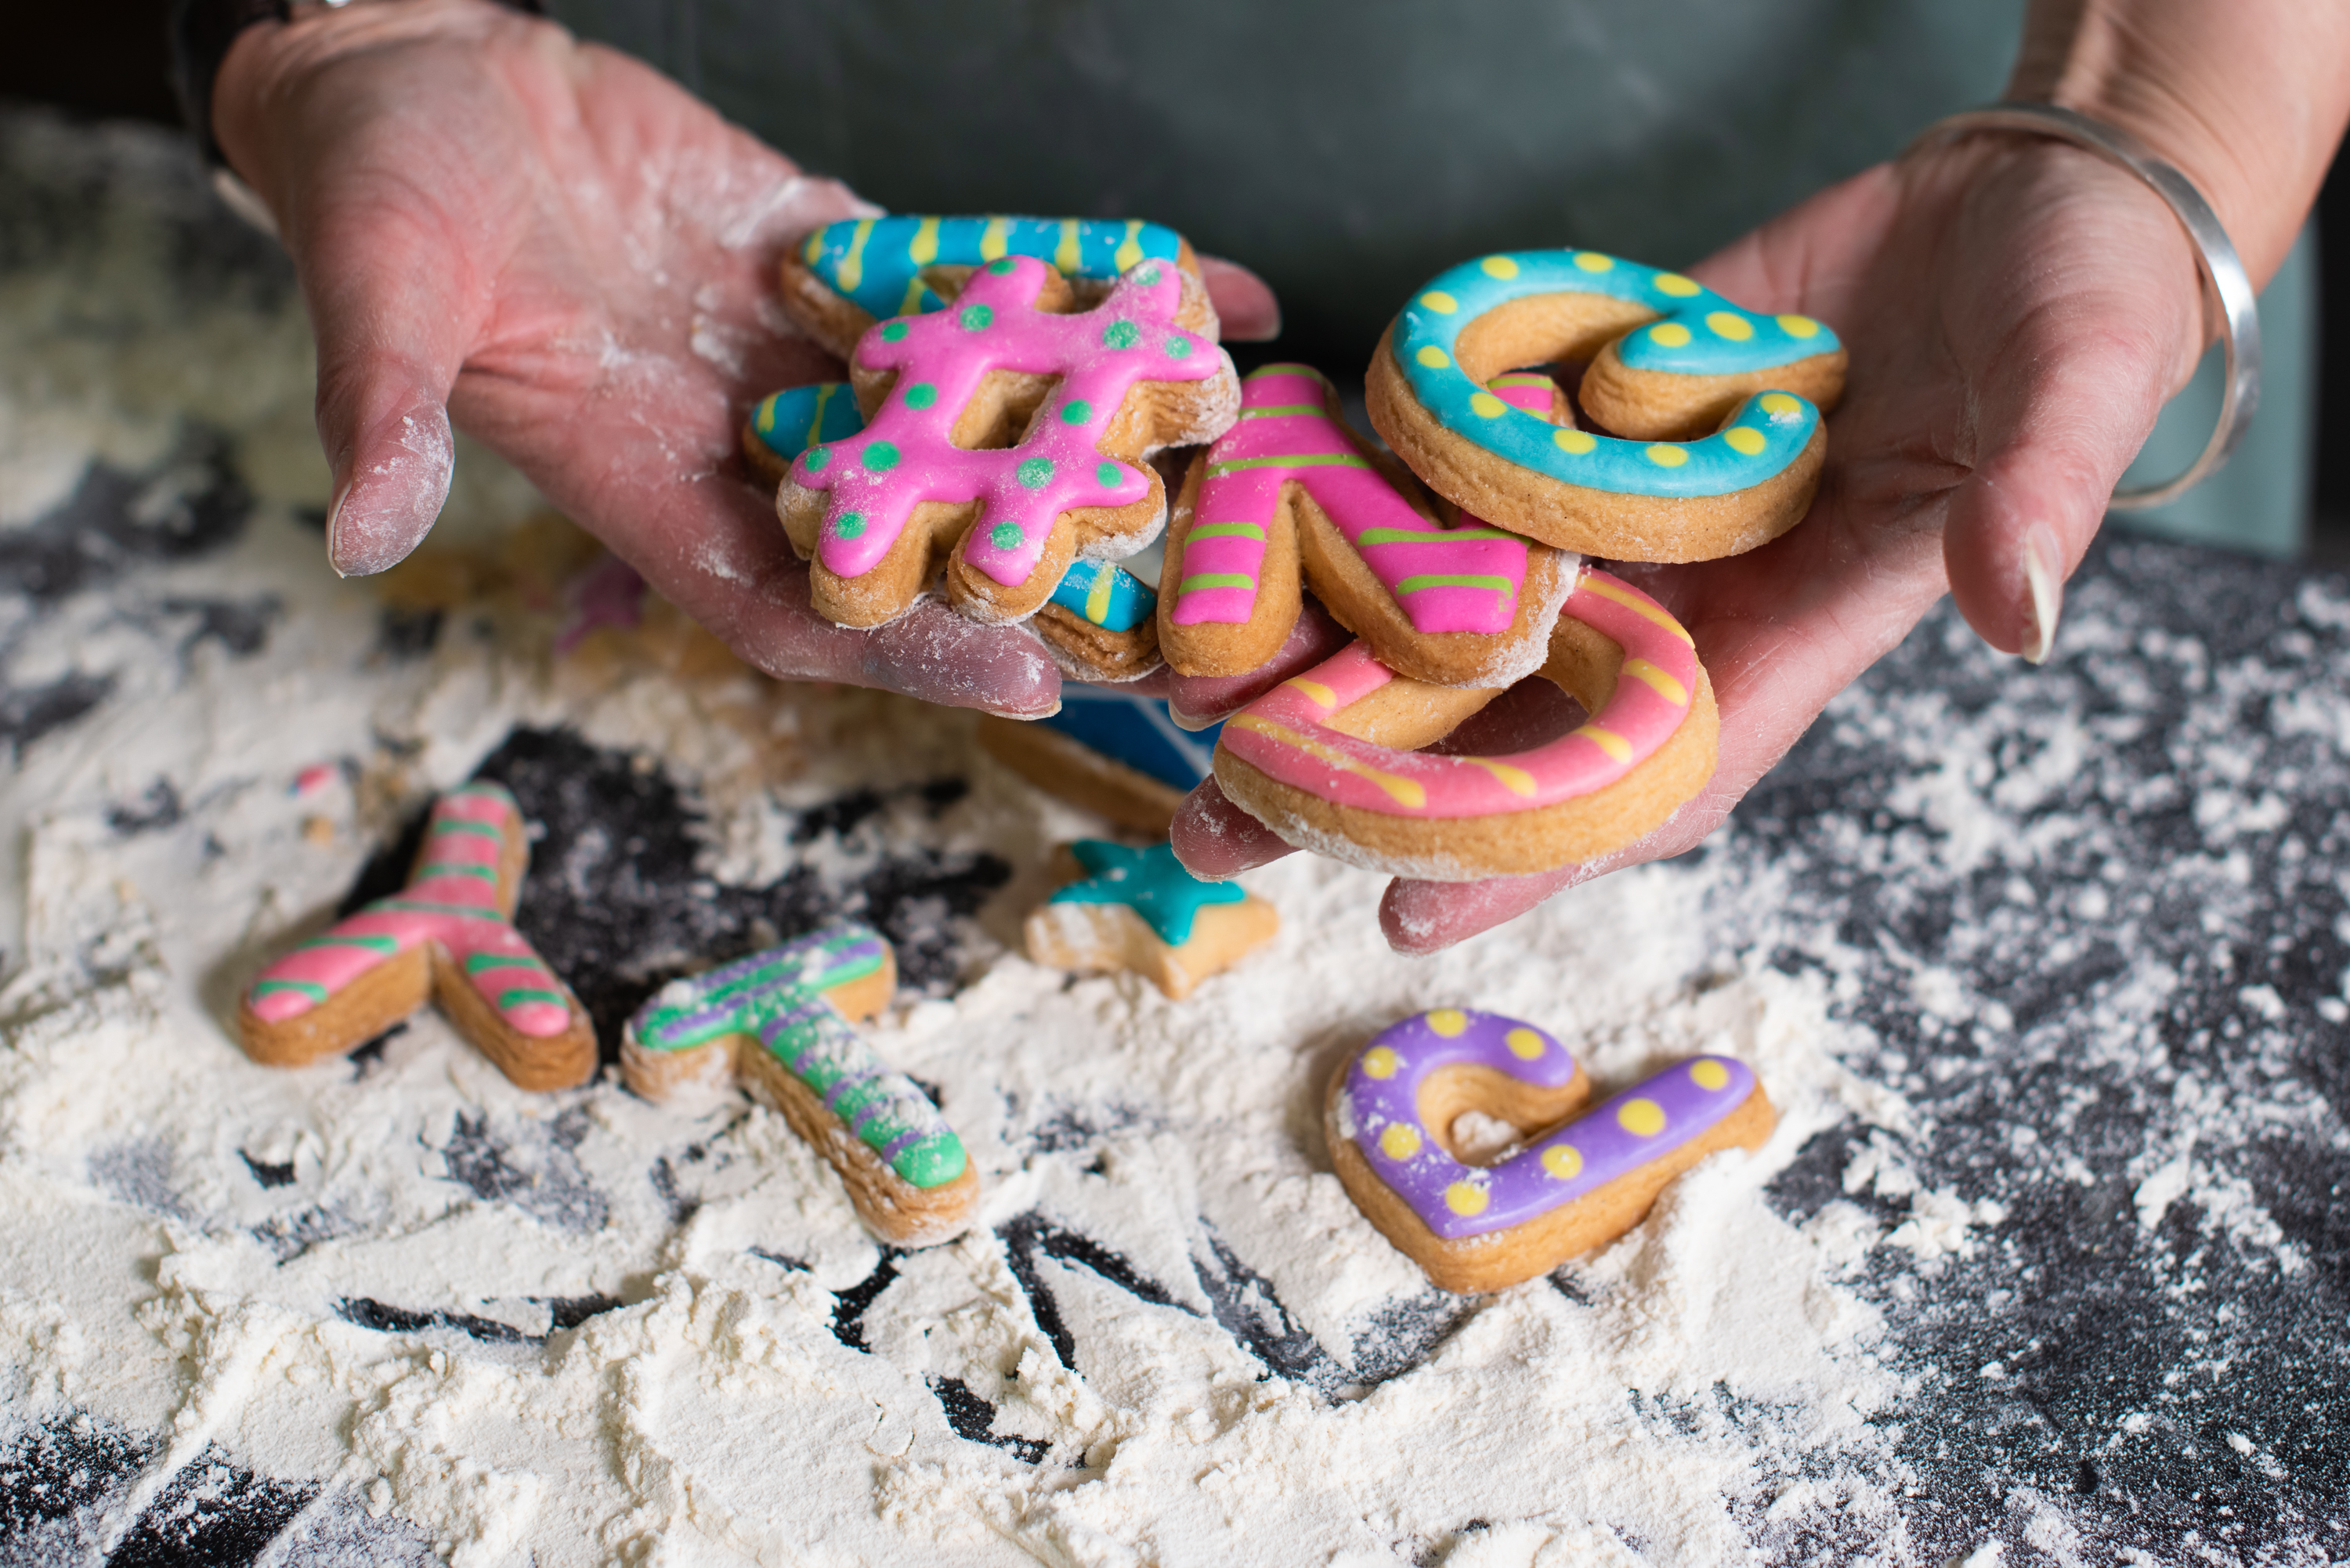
{"x": 848, "y": 526}
{"x": 1121, "y": 335}
{"x": 975, "y": 318}
{"x": 817, "y": 457}
{"x": 1035, "y": 473}
{"x": 1177, "y": 348}
{"x": 1715, "y": 337}
{"x": 921, "y": 395}
{"x": 1007, "y": 537}
{"x": 1000, "y": 265}
{"x": 1076, "y": 411}
{"x": 880, "y": 457}
{"x": 893, "y": 332}
{"x": 1109, "y": 473}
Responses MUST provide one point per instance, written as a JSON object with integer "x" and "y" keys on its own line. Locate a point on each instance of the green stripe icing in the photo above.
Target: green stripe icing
{"x": 480, "y": 963}
{"x": 417, "y": 906}
{"x": 1282, "y": 411}
{"x": 1435, "y": 580}
{"x": 456, "y": 869}
{"x": 482, "y": 829}
{"x": 300, "y": 987}
{"x": 1228, "y": 531}
{"x": 520, "y": 994}
{"x": 1426, "y": 535}
{"x": 1216, "y": 580}
{"x": 1302, "y": 460}
{"x": 386, "y": 945}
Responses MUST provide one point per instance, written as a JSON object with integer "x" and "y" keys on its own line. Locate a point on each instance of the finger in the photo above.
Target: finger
{"x": 1216, "y": 840}
{"x": 1428, "y": 917}
{"x": 1244, "y": 301}
{"x": 386, "y": 293}
{"x": 1198, "y": 700}
{"x": 2085, "y": 349}
{"x": 713, "y": 548}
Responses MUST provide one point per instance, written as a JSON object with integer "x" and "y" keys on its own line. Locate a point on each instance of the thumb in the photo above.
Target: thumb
{"x": 2060, "y": 410}
{"x": 383, "y": 292}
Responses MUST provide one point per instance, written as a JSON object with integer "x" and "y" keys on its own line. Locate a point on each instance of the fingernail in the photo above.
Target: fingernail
{"x": 2044, "y": 579}
{"x": 334, "y": 525}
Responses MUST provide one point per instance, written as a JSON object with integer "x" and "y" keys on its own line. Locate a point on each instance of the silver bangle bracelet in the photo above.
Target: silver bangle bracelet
{"x": 2222, "y": 272}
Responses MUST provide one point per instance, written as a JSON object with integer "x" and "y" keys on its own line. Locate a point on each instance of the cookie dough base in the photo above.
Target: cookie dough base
{"x": 1093, "y": 939}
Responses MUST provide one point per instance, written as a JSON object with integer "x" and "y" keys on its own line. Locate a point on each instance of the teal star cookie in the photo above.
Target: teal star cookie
{"x": 1151, "y": 882}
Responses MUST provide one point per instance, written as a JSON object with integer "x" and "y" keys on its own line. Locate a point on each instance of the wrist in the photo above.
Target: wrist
{"x": 2247, "y": 99}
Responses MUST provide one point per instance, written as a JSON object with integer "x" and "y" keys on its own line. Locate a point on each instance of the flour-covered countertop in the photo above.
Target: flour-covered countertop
{"x": 2046, "y": 970}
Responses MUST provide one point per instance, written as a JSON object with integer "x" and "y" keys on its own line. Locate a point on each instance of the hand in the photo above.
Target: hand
{"x": 574, "y": 258}
{"x": 2016, "y": 312}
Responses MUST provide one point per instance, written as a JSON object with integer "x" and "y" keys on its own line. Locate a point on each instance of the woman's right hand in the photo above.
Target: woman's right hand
{"x": 574, "y": 258}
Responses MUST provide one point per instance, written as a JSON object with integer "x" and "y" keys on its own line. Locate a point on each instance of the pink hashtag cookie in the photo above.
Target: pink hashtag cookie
{"x": 1006, "y": 436}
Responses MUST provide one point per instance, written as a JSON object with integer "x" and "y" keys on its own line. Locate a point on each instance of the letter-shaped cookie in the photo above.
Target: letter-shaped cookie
{"x": 1087, "y": 395}
{"x": 448, "y": 937}
{"x": 1575, "y": 1185}
{"x": 777, "y": 1022}
{"x": 846, "y": 275}
{"x": 1326, "y": 759}
{"x": 1717, "y": 442}
{"x": 1290, "y": 490}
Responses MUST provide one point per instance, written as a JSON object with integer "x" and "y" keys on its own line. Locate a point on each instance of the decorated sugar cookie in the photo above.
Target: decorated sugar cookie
{"x": 1713, "y": 412}
{"x": 777, "y": 1022}
{"x": 1291, "y": 492}
{"x": 1328, "y": 759}
{"x": 1098, "y": 625}
{"x": 1139, "y": 909}
{"x": 1004, "y": 439}
{"x": 447, "y": 937}
{"x": 847, "y": 275}
{"x": 1579, "y": 1178}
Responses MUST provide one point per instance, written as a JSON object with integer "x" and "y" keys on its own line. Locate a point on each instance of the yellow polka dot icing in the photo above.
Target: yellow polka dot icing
{"x": 1400, "y": 1141}
{"x": 1562, "y": 1162}
{"x": 1466, "y": 1199}
{"x": 1709, "y": 1074}
{"x": 1525, "y": 1045}
{"x": 1381, "y": 1062}
{"x": 1640, "y": 1118}
{"x": 1448, "y": 1022}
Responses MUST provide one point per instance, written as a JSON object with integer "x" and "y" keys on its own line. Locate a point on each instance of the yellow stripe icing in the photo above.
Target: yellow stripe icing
{"x": 1097, "y": 596}
{"x": 1608, "y": 741}
{"x": 1131, "y": 251}
{"x": 1657, "y": 680}
{"x": 1314, "y": 689}
{"x": 1406, "y": 793}
{"x": 991, "y": 245}
{"x": 816, "y": 421}
{"x": 912, "y": 304}
{"x": 924, "y": 248}
{"x": 852, "y": 265}
{"x": 1517, "y": 781}
{"x": 1640, "y": 607}
{"x": 1067, "y": 258}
